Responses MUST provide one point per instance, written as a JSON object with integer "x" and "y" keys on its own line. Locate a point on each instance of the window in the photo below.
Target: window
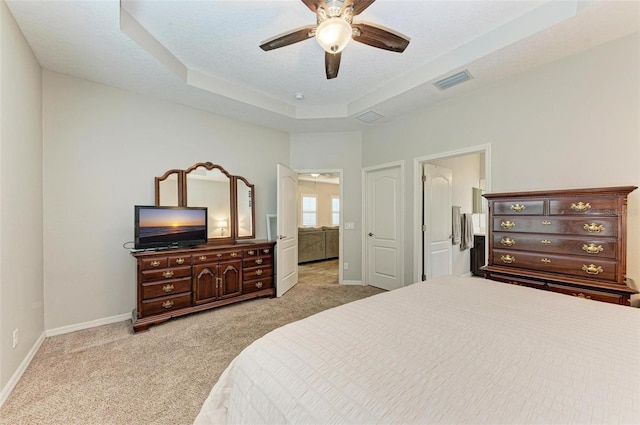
{"x": 335, "y": 211}
{"x": 309, "y": 210}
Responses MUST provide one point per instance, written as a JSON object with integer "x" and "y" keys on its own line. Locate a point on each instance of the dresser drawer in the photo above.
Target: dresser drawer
{"x": 153, "y": 263}
{"x": 257, "y": 285}
{"x": 556, "y": 244}
{"x": 163, "y": 288}
{"x": 208, "y": 257}
{"x": 589, "y": 294}
{"x": 257, "y": 273}
{"x": 599, "y": 269}
{"x": 591, "y": 226}
{"x": 517, "y": 280}
{"x": 166, "y": 304}
{"x": 166, "y": 274}
{"x": 593, "y": 205}
{"x": 179, "y": 260}
{"x": 519, "y": 207}
{"x": 256, "y": 261}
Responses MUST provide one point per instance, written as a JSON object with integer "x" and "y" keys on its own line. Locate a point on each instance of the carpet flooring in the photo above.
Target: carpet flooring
{"x": 107, "y": 375}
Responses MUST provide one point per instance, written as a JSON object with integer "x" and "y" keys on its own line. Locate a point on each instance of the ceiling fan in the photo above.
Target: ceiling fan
{"x": 334, "y": 28}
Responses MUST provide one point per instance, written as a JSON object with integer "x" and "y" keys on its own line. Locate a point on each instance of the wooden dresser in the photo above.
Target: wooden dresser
{"x": 567, "y": 241}
{"x": 176, "y": 282}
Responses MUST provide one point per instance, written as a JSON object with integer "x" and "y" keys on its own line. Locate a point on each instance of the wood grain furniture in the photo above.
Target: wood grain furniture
{"x": 481, "y": 352}
{"x": 567, "y": 241}
{"x": 176, "y": 282}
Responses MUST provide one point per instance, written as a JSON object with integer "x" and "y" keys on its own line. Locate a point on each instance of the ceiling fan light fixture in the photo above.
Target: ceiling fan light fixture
{"x": 334, "y": 34}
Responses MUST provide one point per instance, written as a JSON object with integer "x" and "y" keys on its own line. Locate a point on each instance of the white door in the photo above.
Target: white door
{"x": 437, "y": 221}
{"x": 287, "y": 240}
{"x": 383, "y": 227}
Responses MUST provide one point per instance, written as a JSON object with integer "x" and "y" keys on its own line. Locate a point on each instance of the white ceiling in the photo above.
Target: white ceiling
{"x": 205, "y": 54}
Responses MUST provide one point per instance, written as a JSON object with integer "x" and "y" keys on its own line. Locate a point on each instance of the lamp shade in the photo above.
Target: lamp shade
{"x": 333, "y": 34}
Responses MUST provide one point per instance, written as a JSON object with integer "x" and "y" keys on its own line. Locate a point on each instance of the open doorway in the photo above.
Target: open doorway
{"x": 319, "y": 199}
{"x": 471, "y": 174}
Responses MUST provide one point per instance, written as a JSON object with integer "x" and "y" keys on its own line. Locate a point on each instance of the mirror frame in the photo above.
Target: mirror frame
{"x": 233, "y": 196}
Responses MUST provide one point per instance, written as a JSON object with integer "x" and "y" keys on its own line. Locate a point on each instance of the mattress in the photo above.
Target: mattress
{"x": 449, "y": 350}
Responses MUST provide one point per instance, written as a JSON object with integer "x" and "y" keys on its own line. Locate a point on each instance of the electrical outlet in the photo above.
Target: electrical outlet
{"x": 346, "y": 266}
{"x": 15, "y": 337}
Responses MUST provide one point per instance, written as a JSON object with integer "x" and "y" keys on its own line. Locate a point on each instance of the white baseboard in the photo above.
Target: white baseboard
{"x": 352, "y": 282}
{"x": 4, "y": 394}
{"x": 87, "y": 325}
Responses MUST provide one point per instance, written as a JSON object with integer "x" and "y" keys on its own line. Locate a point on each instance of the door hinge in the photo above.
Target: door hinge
{"x": 424, "y": 178}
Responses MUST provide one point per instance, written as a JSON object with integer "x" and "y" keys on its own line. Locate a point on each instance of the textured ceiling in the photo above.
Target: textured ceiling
{"x": 205, "y": 54}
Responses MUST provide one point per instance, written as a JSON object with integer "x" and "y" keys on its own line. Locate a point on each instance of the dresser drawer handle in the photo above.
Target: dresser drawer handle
{"x": 518, "y": 207}
{"x": 545, "y": 260}
{"x": 259, "y": 261}
{"x": 266, "y": 251}
{"x": 592, "y": 269}
{"x": 218, "y": 255}
{"x": 168, "y": 274}
{"x": 593, "y": 227}
{"x": 203, "y": 258}
{"x": 545, "y": 242}
{"x": 581, "y": 295}
{"x": 259, "y": 272}
{"x": 508, "y": 224}
{"x": 507, "y": 241}
{"x": 258, "y": 285}
{"x": 581, "y": 207}
{"x": 507, "y": 259}
{"x": 251, "y": 252}
{"x": 592, "y": 248}
{"x": 167, "y": 288}
{"x": 180, "y": 261}
{"x": 155, "y": 263}
{"x": 167, "y": 304}
{"x": 546, "y": 222}
{"x": 234, "y": 254}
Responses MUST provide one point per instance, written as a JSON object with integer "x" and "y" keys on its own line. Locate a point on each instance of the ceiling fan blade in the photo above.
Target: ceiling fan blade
{"x": 381, "y": 38}
{"x": 360, "y": 5}
{"x": 332, "y": 64}
{"x": 286, "y": 39}
{"x": 314, "y": 4}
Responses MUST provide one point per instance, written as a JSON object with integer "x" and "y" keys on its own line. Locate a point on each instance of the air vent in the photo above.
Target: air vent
{"x": 453, "y": 80}
{"x": 369, "y": 116}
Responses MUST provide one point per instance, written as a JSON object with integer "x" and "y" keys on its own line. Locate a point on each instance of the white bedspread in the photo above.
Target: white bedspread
{"x": 450, "y": 350}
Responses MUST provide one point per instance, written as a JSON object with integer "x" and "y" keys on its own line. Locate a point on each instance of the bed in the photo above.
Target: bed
{"x": 449, "y": 350}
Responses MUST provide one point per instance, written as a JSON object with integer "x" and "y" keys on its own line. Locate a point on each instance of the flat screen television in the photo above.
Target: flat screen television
{"x": 169, "y": 227}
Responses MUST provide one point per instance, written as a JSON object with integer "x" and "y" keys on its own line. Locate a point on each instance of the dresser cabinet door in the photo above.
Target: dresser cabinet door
{"x": 230, "y": 283}
{"x": 217, "y": 280}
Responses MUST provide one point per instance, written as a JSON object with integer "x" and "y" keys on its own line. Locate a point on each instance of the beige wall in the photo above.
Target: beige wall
{"x": 21, "y": 276}
{"x": 102, "y": 149}
{"x": 569, "y": 124}
{"x": 324, "y": 193}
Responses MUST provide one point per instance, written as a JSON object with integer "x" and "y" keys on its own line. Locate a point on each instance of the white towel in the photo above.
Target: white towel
{"x": 467, "y": 231}
{"x": 455, "y": 226}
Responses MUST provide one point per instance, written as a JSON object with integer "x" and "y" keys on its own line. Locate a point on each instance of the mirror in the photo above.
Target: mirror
{"x": 229, "y": 199}
{"x": 478, "y": 201}
{"x": 244, "y": 200}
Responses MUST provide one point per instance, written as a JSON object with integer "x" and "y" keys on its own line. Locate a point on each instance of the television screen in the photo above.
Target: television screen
{"x": 157, "y": 227}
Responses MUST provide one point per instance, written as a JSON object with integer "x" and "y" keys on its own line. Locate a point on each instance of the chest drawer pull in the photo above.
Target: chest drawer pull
{"x": 546, "y": 260}
{"x": 593, "y": 227}
{"x": 167, "y": 274}
{"x": 507, "y": 259}
{"x": 218, "y": 255}
{"x": 592, "y": 269}
{"x": 155, "y": 263}
{"x": 545, "y": 242}
{"x": 581, "y": 207}
{"x": 581, "y": 295}
{"x": 180, "y": 261}
{"x": 546, "y": 222}
{"x": 518, "y": 207}
{"x": 234, "y": 254}
{"x": 507, "y": 241}
{"x": 251, "y": 252}
{"x": 507, "y": 224}
{"x": 203, "y": 258}
{"x": 167, "y": 304}
{"x": 258, "y": 285}
{"x": 592, "y": 248}
{"x": 259, "y": 261}
{"x": 259, "y": 272}
{"x": 167, "y": 288}
{"x": 266, "y": 251}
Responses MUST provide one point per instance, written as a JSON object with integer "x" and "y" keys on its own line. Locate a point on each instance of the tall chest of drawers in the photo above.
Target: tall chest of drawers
{"x": 177, "y": 282}
{"x": 567, "y": 241}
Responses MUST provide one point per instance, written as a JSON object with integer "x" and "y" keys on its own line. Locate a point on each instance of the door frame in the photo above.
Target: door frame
{"x": 365, "y": 249}
{"x": 338, "y": 171}
{"x": 418, "y": 246}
